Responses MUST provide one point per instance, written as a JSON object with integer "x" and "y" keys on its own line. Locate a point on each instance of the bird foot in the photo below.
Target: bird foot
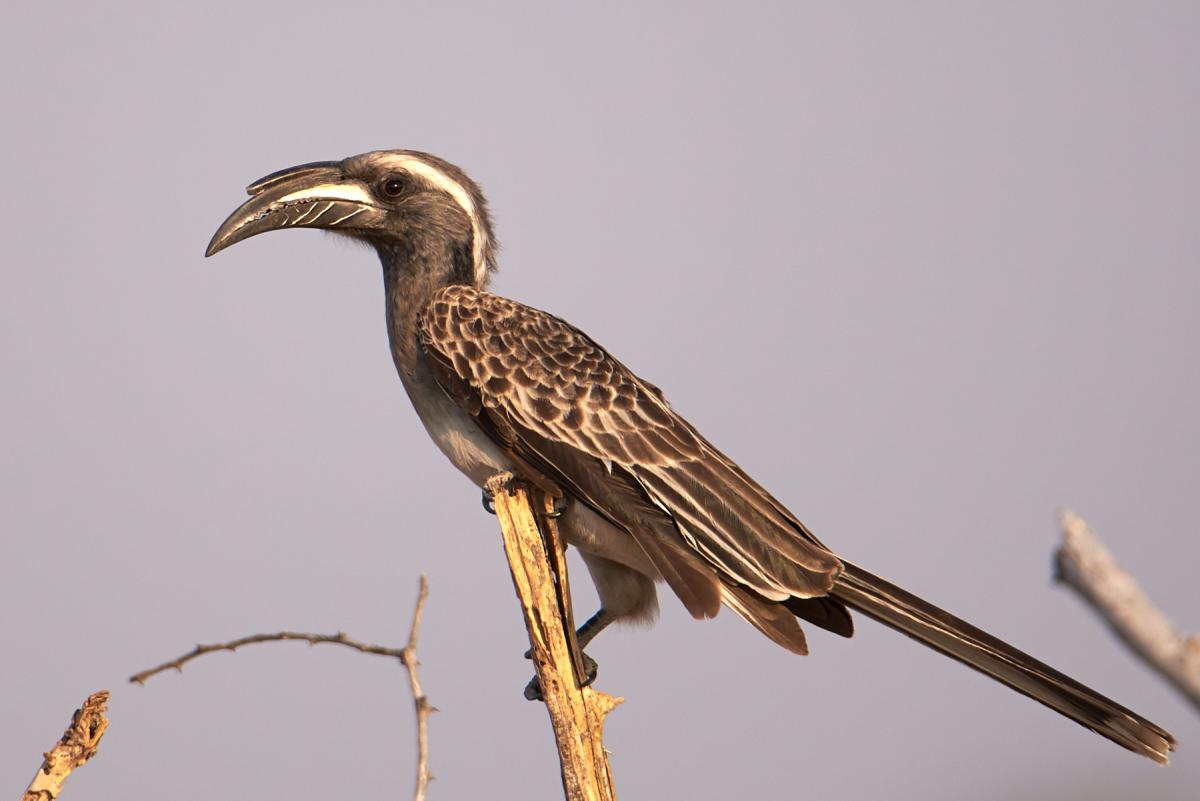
{"x": 498, "y": 482}
{"x": 560, "y": 505}
{"x": 533, "y": 690}
{"x": 503, "y": 481}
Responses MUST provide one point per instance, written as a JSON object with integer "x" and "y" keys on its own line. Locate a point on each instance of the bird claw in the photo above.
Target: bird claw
{"x": 560, "y": 506}
{"x": 501, "y": 482}
{"x": 488, "y": 498}
{"x": 533, "y": 690}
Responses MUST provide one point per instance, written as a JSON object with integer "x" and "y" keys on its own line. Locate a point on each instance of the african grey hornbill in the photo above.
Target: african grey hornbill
{"x": 504, "y": 387}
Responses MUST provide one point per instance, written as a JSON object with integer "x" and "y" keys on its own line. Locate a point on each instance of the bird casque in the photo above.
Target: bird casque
{"x": 501, "y": 387}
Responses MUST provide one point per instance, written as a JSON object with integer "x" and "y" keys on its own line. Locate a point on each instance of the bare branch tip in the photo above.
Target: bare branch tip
{"x": 1083, "y": 563}
{"x": 77, "y": 745}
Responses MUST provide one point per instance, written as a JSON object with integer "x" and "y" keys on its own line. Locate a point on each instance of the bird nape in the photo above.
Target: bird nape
{"x": 501, "y": 387}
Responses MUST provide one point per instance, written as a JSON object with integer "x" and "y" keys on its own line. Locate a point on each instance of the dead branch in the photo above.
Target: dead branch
{"x": 420, "y": 702}
{"x": 576, "y": 713}
{"x": 1085, "y": 565}
{"x": 77, "y": 745}
{"x": 407, "y": 656}
{"x": 279, "y": 636}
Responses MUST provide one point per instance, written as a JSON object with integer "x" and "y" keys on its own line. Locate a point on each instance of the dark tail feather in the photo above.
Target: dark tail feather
{"x": 960, "y": 640}
{"x": 828, "y": 613}
{"x": 769, "y": 617}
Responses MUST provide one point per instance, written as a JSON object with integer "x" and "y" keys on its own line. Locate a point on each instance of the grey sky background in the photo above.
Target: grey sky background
{"x": 928, "y": 271}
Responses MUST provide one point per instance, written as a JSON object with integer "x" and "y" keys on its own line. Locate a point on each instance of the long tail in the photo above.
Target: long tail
{"x": 960, "y": 640}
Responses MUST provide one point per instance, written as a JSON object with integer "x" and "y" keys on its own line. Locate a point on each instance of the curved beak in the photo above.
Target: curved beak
{"x": 316, "y": 195}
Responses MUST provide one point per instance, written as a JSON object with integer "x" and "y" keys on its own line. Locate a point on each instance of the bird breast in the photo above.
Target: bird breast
{"x": 454, "y": 431}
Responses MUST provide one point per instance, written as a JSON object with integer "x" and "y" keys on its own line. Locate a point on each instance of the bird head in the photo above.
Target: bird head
{"x": 404, "y": 203}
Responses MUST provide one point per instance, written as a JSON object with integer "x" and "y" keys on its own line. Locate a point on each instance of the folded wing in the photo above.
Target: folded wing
{"x": 561, "y": 404}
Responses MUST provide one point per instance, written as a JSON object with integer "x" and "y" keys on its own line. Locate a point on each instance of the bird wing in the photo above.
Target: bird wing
{"x": 559, "y": 402}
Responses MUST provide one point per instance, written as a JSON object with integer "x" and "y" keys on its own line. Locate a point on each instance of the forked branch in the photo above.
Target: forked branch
{"x": 407, "y": 656}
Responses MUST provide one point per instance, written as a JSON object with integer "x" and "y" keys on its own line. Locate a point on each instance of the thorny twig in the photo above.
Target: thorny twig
{"x": 407, "y": 656}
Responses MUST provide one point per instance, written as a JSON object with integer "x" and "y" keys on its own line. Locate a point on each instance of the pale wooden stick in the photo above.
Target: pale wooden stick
{"x": 78, "y": 744}
{"x": 576, "y": 713}
{"x": 1085, "y": 565}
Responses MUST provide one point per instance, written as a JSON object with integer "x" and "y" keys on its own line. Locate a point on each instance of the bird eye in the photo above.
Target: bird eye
{"x": 394, "y": 185}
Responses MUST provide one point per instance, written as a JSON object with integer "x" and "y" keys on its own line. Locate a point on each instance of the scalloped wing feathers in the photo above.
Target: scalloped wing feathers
{"x": 542, "y": 380}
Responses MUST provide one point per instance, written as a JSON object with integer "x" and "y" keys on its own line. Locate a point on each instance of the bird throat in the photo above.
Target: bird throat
{"x": 413, "y": 270}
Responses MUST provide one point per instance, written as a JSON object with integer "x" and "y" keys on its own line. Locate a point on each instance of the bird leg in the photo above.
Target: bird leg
{"x": 594, "y": 625}
{"x": 586, "y": 633}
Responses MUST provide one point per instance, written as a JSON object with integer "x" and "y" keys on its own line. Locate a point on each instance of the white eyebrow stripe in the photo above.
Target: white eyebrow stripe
{"x": 454, "y": 189}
